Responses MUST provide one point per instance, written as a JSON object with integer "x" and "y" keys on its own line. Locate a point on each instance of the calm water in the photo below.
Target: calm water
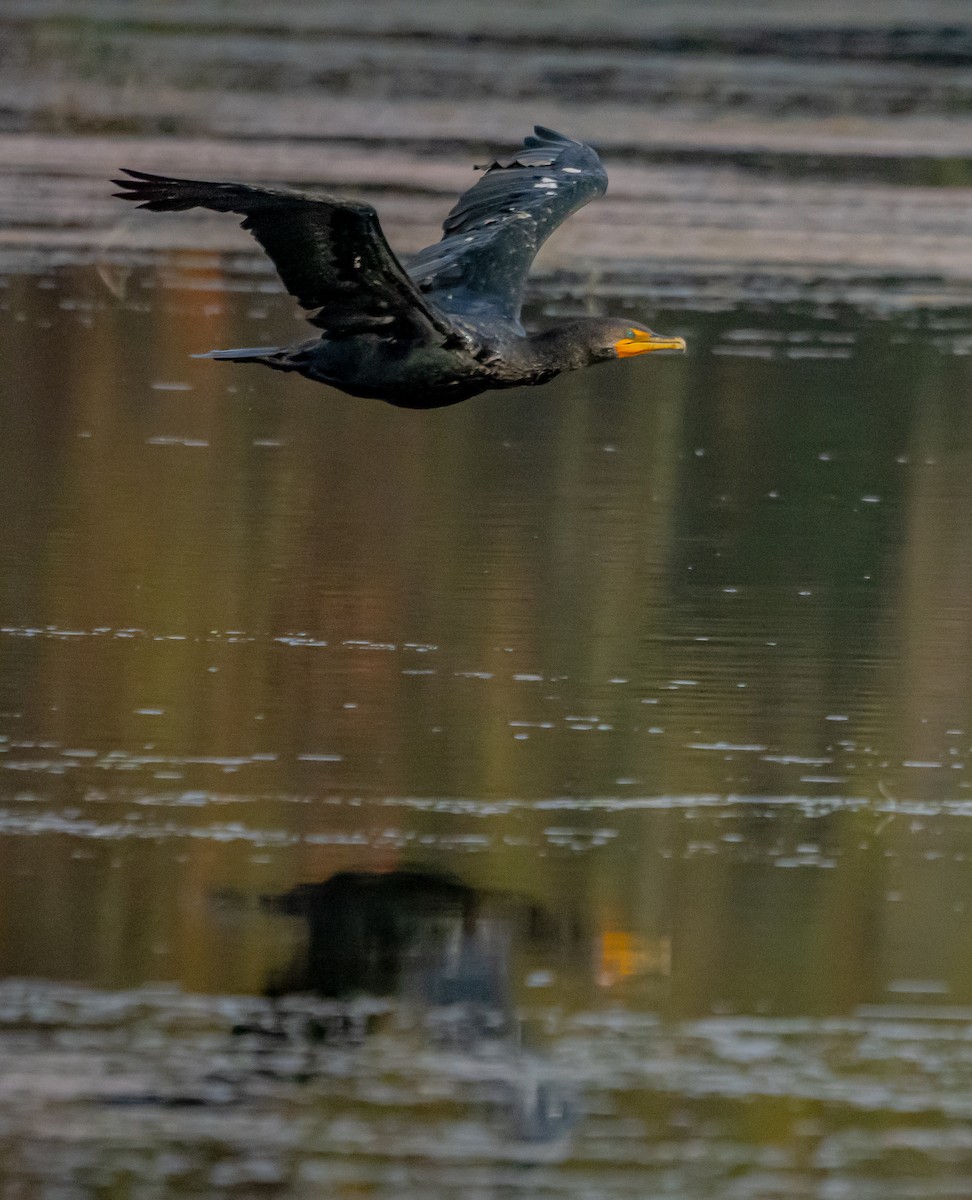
{"x": 565, "y": 794}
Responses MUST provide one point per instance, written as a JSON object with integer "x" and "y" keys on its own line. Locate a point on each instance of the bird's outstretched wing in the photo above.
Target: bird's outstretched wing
{"x": 490, "y": 238}
{"x": 331, "y": 254}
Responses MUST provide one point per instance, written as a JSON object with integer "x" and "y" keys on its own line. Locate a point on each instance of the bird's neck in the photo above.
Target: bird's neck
{"x": 564, "y": 348}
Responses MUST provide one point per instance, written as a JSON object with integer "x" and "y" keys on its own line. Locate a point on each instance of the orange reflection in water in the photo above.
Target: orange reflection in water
{"x": 624, "y": 955}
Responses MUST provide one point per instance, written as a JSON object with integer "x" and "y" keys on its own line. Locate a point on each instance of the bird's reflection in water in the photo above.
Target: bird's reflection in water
{"x": 444, "y": 951}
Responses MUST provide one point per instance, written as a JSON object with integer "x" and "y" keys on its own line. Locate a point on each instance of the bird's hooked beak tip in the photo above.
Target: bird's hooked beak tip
{"x": 642, "y": 342}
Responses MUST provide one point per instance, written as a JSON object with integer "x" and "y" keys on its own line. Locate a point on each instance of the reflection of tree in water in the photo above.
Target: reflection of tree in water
{"x": 444, "y": 949}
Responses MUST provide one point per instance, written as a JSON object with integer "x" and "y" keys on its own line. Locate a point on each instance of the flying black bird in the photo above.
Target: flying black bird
{"x": 447, "y": 325}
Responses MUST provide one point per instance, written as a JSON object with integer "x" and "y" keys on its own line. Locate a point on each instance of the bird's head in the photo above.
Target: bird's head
{"x": 596, "y": 339}
{"x": 624, "y": 339}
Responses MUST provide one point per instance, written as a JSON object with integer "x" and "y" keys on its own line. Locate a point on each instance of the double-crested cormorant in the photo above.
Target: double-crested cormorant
{"x": 447, "y": 325}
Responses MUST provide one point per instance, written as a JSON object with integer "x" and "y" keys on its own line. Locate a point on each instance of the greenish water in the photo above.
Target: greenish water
{"x": 639, "y": 705}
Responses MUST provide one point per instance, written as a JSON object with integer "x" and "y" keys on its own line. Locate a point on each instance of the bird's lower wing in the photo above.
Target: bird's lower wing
{"x": 490, "y": 238}
{"x": 331, "y": 254}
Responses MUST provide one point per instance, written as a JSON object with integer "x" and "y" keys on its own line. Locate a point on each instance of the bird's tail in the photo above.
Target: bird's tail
{"x": 270, "y": 356}
{"x": 243, "y": 355}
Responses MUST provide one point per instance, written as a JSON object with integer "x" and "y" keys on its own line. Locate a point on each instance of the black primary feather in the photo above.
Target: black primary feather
{"x": 331, "y": 254}
{"x": 492, "y": 235}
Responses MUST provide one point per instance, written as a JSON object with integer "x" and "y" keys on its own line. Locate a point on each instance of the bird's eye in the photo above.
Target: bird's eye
{"x": 630, "y": 333}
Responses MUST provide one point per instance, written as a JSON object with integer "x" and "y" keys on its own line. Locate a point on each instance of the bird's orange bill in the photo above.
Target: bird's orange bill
{"x": 644, "y": 343}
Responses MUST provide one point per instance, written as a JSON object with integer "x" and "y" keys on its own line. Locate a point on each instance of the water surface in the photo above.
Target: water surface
{"x": 565, "y": 794}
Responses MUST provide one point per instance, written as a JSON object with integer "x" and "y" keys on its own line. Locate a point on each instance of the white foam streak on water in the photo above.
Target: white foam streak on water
{"x": 30, "y": 814}
{"x": 185, "y": 1083}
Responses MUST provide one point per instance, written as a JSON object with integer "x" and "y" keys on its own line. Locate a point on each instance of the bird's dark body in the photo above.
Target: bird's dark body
{"x": 374, "y": 367}
{"x": 443, "y": 327}
{"x": 404, "y": 375}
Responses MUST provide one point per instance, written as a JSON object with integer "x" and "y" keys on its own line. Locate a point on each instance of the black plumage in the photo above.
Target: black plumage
{"x": 447, "y": 325}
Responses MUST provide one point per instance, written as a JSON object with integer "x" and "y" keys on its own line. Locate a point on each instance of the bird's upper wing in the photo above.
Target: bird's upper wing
{"x": 331, "y": 254}
{"x": 492, "y": 235}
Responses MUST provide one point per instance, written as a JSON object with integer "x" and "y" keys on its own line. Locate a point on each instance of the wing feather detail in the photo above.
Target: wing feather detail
{"x": 493, "y": 233}
{"x": 331, "y": 254}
